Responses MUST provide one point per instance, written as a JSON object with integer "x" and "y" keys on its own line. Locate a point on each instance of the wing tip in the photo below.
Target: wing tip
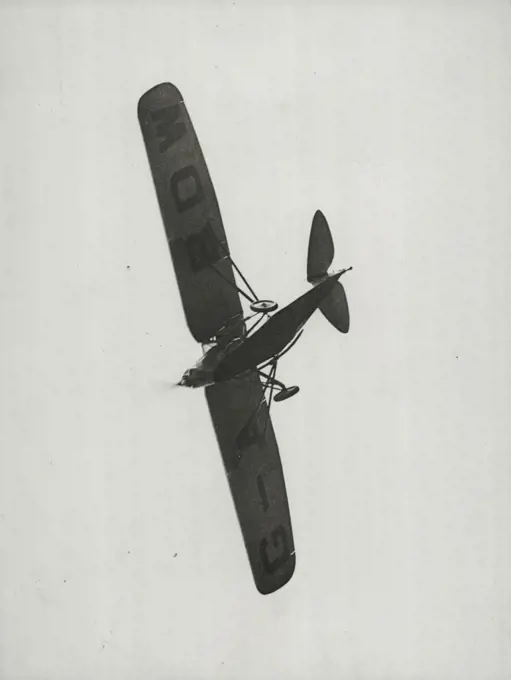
{"x": 160, "y": 92}
{"x": 265, "y": 588}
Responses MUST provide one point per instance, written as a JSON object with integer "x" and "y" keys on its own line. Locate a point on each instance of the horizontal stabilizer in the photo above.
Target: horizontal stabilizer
{"x": 335, "y": 307}
{"x": 321, "y": 248}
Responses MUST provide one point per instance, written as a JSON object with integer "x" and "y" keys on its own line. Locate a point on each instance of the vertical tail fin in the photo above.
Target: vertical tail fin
{"x": 321, "y": 248}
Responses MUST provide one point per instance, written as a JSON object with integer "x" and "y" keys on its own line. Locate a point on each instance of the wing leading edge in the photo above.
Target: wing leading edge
{"x": 252, "y": 462}
{"x": 190, "y": 212}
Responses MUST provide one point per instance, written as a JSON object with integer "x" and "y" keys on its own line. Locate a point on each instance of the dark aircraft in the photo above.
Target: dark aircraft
{"x": 241, "y": 350}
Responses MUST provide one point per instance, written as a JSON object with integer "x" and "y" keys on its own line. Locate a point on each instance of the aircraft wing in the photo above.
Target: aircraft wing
{"x": 190, "y": 213}
{"x": 252, "y": 462}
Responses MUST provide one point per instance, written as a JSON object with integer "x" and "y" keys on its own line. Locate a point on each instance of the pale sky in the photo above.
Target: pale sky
{"x": 121, "y": 556}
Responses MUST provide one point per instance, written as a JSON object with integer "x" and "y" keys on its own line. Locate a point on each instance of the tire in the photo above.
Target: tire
{"x": 263, "y": 306}
{"x": 286, "y": 393}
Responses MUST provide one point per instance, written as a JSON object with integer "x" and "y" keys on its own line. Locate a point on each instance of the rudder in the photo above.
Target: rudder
{"x": 321, "y": 248}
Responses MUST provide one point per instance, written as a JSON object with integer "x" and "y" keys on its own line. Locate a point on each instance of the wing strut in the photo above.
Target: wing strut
{"x": 236, "y": 287}
{"x": 272, "y": 388}
{"x": 247, "y": 284}
{"x": 270, "y": 383}
{"x": 240, "y": 273}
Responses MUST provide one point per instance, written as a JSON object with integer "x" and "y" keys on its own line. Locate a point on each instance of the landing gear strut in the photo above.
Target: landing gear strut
{"x": 283, "y": 392}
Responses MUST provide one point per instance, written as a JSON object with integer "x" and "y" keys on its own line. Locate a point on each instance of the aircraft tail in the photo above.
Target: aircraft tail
{"x": 320, "y": 256}
{"x": 321, "y": 249}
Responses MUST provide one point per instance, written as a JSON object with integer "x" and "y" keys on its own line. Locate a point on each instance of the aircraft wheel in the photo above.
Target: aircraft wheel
{"x": 286, "y": 393}
{"x": 265, "y": 306}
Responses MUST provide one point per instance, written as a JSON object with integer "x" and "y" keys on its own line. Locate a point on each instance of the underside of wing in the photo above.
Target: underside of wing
{"x": 252, "y": 462}
{"x": 190, "y": 213}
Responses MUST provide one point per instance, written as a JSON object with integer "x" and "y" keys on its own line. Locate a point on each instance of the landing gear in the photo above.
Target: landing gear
{"x": 286, "y": 393}
{"x": 281, "y": 391}
{"x": 263, "y": 306}
{"x": 236, "y": 328}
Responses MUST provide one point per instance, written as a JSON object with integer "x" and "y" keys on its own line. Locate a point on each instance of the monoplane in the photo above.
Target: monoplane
{"x": 241, "y": 348}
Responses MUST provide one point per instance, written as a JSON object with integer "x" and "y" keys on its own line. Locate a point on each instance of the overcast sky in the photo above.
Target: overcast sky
{"x": 121, "y": 556}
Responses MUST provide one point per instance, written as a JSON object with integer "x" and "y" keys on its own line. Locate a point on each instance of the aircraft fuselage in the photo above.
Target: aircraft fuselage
{"x": 275, "y": 335}
{"x": 221, "y": 364}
